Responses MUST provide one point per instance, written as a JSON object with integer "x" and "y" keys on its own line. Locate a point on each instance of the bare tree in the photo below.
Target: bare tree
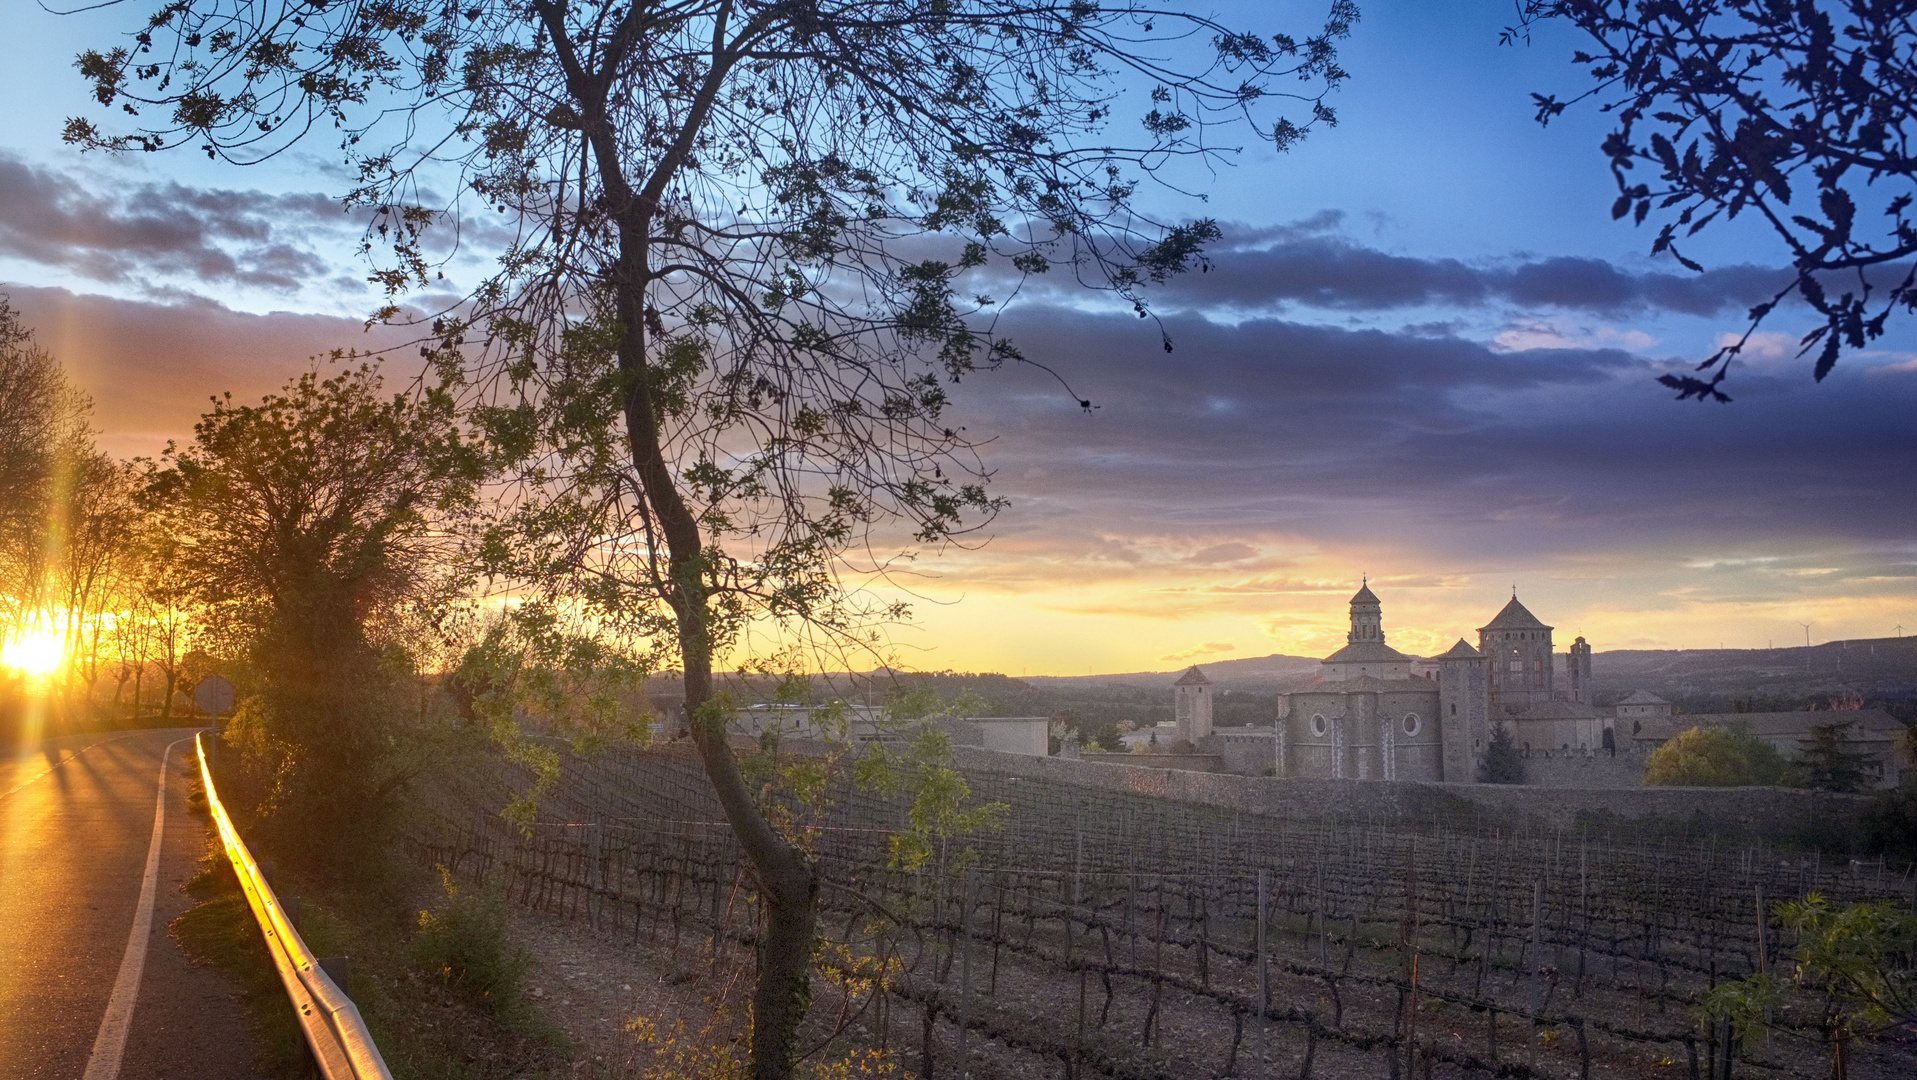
{"x": 754, "y": 244}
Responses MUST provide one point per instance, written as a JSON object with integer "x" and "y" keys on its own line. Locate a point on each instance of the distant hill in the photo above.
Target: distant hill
{"x": 1244, "y": 675}
{"x": 1872, "y": 667}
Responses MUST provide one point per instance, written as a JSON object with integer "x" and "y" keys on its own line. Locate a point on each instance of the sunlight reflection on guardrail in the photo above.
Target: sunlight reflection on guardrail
{"x": 329, "y": 1018}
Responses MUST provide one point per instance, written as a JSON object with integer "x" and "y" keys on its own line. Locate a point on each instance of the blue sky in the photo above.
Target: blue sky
{"x": 1427, "y": 354}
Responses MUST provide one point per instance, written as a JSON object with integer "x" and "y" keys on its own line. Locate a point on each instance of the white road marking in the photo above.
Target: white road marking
{"x": 110, "y": 1043}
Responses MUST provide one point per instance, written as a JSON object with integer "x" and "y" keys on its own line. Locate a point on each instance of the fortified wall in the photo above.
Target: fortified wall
{"x": 1733, "y": 815}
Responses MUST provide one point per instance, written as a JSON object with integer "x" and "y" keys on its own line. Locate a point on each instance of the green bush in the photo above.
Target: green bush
{"x": 1715, "y": 757}
{"x": 1889, "y": 824}
{"x": 464, "y": 942}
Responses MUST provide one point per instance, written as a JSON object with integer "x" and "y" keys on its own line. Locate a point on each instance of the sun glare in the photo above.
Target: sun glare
{"x": 36, "y": 652}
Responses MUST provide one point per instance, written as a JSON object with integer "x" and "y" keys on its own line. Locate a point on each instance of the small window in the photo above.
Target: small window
{"x": 1318, "y": 726}
{"x": 1412, "y": 725}
{"x": 1454, "y": 708}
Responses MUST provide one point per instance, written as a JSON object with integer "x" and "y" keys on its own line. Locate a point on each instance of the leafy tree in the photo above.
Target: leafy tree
{"x": 1825, "y": 760}
{"x": 1796, "y": 114}
{"x": 756, "y": 241}
{"x": 1502, "y": 763}
{"x": 306, "y": 522}
{"x": 1860, "y": 960}
{"x": 1715, "y": 757}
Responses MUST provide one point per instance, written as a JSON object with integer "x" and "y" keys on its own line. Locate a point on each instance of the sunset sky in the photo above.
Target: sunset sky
{"x": 1426, "y": 353}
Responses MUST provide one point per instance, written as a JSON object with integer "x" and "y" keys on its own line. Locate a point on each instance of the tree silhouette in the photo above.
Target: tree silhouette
{"x": 1797, "y": 114}
{"x": 1502, "y": 763}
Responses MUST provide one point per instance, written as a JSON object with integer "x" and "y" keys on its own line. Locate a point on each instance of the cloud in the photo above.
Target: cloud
{"x": 1225, "y": 553}
{"x": 1209, "y": 648}
{"x": 150, "y": 367}
{"x": 143, "y": 233}
{"x": 1310, "y": 263}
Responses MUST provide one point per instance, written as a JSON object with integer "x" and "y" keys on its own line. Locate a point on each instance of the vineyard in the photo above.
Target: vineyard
{"x": 1099, "y": 934}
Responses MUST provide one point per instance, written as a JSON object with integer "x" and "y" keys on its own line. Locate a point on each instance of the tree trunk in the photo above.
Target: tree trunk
{"x": 787, "y": 883}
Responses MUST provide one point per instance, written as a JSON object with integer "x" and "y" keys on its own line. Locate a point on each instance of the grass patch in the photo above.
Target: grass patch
{"x": 221, "y": 931}
{"x": 442, "y": 1000}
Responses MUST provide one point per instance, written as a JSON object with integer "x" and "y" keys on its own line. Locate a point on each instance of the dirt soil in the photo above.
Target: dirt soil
{"x": 593, "y": 984}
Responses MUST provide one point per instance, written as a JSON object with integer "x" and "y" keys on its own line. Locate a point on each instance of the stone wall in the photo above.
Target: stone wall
{"x": 1734, "y": 815}
{"x": 1577, "y": 769}
{"x": 1204, "y": 763}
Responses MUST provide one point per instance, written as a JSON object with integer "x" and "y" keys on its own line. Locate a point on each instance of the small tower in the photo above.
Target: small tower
{"x": 1577, "y": 671}
{"x": 1192, "y": 705}
{"x": 1464, "y": 706}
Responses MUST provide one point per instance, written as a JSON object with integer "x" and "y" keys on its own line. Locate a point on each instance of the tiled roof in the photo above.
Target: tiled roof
{"x": 1367, "y": 652}
{"x": 1514, "y": 617}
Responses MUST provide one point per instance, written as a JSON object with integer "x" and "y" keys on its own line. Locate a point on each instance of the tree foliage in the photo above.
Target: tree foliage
{"x": 1795, "y": 114}
{"x": 306, "y": 525}
{"x": 751, "y": 244}
{"x": 1503, "y": 763}
{"x": 1860, "y": 960}
{"x": 1827, "y": 762}
{"x": 1715, "y": 757}
{"x": 44, "y": 441}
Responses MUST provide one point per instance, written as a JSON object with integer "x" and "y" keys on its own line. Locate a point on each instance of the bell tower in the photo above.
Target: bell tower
{"x": 1367, "y": 616}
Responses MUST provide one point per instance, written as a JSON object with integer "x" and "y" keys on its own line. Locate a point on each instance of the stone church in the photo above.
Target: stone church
{"x": 1376, "y": 713}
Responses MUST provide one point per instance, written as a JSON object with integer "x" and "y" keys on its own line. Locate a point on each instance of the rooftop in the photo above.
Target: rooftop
{"x": 1366, "y": 652}
{"x": 1193, "y": 677}
{"x": 1515, "y": 616}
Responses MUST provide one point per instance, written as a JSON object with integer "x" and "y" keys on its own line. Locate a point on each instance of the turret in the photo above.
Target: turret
{"x": 1367, "y": 616}
{"x": 1577, "y": 672}
{"x": 1517, "y": 648}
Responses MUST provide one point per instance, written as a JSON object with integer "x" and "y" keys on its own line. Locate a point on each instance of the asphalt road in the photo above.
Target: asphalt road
{"x": 78, "y": 818}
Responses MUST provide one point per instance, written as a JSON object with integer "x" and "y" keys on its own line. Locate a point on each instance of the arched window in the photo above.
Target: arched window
{"x": 1412, "y": 725}
{"x": 1318, "y": 726}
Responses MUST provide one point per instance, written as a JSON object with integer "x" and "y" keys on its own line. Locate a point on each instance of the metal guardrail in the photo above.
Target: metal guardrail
{"x": 330, "y": 1020}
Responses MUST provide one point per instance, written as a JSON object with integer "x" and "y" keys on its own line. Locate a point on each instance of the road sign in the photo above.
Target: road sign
{"x": 214, "y": 696}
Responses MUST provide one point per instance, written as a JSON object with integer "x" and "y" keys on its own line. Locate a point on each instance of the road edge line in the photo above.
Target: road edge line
{"x": 110, "y": 1044}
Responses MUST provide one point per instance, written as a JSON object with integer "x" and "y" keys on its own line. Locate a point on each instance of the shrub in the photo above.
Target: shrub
{"x": 1715, "y": 757}
{"x": 464, "y": 942}
{"x": 1889, "y": 824}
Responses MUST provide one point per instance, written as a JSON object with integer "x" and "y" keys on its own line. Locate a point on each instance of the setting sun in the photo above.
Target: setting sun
{"x": 36, "y": 652}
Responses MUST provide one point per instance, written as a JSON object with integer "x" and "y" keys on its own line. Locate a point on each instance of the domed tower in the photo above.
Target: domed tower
{"x": 1367, "y": 616}
{"x": 1517, "y": 652}
{"x": 1365, "y": 653}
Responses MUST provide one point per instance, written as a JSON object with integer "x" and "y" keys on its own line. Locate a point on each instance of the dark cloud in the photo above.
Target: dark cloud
{"x": 1333, "y": 272}
{"x": 136, "y": 232}
{"x": 1440, "y": 444}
